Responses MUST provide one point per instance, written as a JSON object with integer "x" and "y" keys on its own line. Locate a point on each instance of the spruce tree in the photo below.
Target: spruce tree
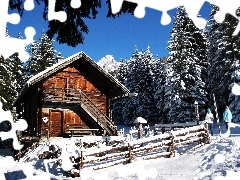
{"x": 187, "y": 60}
{"x": 131, "y": 82}
{"x": 145, "y": 104}
{"x": 122, "y": 71}
{"x": 162, "y": 73}
{"x": 222, "y": 55}
{"x": 140, "y": 79}
{"x": 234, "y": 100}
{"x": 234, "y": 57}
{"x": 109, "y": 64}
{"x": 42, "y": 54}
{"x": 117, "y": 105}
{"x": 10, "y": 79}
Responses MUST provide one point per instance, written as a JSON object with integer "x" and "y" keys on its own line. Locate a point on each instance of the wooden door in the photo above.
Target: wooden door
{"x": 72, "y": 120}
{"x": 56, "y": 123}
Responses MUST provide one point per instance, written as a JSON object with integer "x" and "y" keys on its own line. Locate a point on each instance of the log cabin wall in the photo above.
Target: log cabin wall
{"x": 60, "y": 116}
{"x": 35, "y": 103}
{"x": 58, "y": 120}
{"x": 26, "y": 110}
{"x": 44, "y": 125}
{"x": 70, "y": 77}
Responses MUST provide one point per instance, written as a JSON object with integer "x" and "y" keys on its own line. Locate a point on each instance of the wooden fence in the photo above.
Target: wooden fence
{"x": 19, "y": 154}
{"x": 162, "y": 145}
{"x": 162, "y": 128}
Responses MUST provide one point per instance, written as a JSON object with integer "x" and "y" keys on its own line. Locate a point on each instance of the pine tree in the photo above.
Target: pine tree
{"x": 234, "y": 100}
{"x": 131, "y": 82}
{"x": 10, "y": 79}
{"x": 222, "y": 55}
{"x": 145, "y": 104}
{"x": 117, "y": 105}
{"x": 187, "y": 60}
{"x": 234, "y": 56}
{"x": 122, "y": 71}
{"x": 42, "y": 56}
{"x": 109, "y": 64}
{"x": 162, "y": 73}
{"x": 140, "y": 79}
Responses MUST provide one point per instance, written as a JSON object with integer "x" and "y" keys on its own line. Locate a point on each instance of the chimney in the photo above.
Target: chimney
{"x": 59, "y": 57}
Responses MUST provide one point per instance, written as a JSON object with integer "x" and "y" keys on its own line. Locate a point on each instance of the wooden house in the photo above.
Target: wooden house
{"x": 73, "y": 95}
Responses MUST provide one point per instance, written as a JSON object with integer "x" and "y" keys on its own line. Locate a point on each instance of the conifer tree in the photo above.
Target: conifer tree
{"x": 72, "y": 30}
{"x": 234, "y": 100}
{"x": 145, "y": 102}
{"x": 140, "y": 79}
{"x": 223, "y": 56}
{"x": 162, "y": 72}
{"x": 187, "y": 60}
{"x": 122, "y": 71}
{"x": 131, "y": 82}
{"x": 117, "y": 105}
{"x": 109, "y": 64}
{"x": 234, "y": 56}
{"x": 42, "y": 54}
{"x": 10, "y": 79}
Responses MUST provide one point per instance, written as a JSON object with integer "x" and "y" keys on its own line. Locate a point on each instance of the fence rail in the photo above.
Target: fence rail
{"x": 162, "y": 145}
{"x": 168, "y": 127}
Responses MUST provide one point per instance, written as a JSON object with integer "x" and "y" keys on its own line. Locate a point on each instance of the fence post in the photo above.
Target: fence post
{"x": 81, "y": 154}
{"x": 206, "y": 125}
{"x": 163, "y": 129}
{"x": 206, "y": 137}
{"x": 48, "y": 134}
{"x": 171, "y": 146}
{"x": 216, "y": 111}
{"x": 18, "y": 155}
{"x": 81, "y": 164}
{"x": 139, "y": 130}
{"x": 82, "y": 159}
{"x": 129, "y": 153}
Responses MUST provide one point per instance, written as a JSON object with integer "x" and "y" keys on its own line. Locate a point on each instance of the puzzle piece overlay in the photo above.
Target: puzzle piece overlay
{"x": 11, "y": 45}
{"x": 19, "y": 125}
{"x": 192, "y": 9}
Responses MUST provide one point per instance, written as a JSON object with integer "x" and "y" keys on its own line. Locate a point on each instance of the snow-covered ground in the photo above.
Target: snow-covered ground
{"x": 218, "y": 160}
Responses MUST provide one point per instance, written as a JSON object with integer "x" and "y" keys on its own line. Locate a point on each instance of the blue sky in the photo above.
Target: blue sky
{"x": 108, "y": 36}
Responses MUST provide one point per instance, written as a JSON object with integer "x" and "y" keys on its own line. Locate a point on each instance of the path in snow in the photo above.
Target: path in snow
{"x": 213, "y": 161}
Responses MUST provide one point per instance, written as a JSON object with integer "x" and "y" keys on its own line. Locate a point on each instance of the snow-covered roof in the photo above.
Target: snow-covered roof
{"x": 62, "y": 64}
{"x": 140, "y": 120}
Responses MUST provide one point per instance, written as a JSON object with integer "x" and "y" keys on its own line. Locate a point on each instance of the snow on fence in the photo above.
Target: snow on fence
{"x": 121, "y": 132}
{"x": 162, "y": 145}
{"x": 162, "y": 128}
{"x": 27, "y": 150}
